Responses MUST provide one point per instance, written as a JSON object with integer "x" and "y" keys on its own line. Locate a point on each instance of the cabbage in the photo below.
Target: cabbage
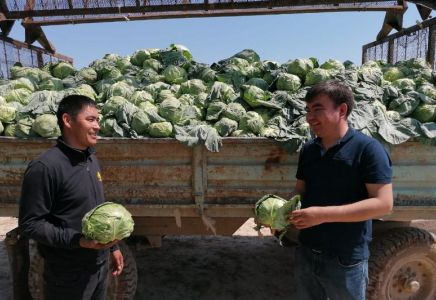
{"x": 7, "y": 113}
{"x": 299, "y": 67}
{"x": 18, "y": 95}
{"x": 165, "y": 95}
{"x": 251, "y": 121}
{"x": 249, "y": 55}
{"x": 253, "y": 95}
{"x": 288, "y": 82}
{"x": 260, "y": 83}
{"x": 242, "y": 133}
{"x": 107, "y": 222}
{"x": 333, "y": 64}
{"x": 187, "y": 99}
{"x": 89, "y": 75}
{"x": 193, "y": 87}
{"x": 214, "y": 110}
{"x": 170, "y": 109}
{"x": 25, "y": 83}
{"x": 46, "y": 126}
{"x": 424, "y": 113}
{"x": 316, "y": 76}
{"x": 1, "y": 127}
{"x": 393, "y": 74}
{"x": 174, "y": 74}
{"x": 404, "y": 84}
{"x": 111, "y": 73}
{"x": 234, "y": 111}
{"x": 52, "y": 84}
{"x": 153, "y": 64}
{"x": 140, "y": 122}
{"x": 63, "y": 70}
{"x": 225, "y": 126}
{"x": 120, "y": 89}
{"x": 107, "y": 126}
{"x": 162, "y": 129}
{"x": 139, "y": 57}
{"x": 271, "y": 210}
{"x": 141, "y": 96}
{"x": 113, "y": 105}
{"x": 10, "y": 129}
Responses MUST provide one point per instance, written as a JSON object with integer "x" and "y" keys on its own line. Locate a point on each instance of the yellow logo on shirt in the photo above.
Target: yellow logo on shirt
{"x": 99, "y": 176}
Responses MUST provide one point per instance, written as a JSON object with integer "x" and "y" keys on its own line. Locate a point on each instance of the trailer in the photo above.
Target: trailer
{"x": 171, "y": 189}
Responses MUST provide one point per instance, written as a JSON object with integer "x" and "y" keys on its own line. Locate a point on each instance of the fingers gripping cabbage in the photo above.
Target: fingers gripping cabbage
{"x": 107, "y": 222}
{"x": 271, "y": 210}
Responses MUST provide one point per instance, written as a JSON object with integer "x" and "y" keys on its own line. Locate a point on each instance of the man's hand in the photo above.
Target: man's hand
{"x": 116, "y": 263}
{"x": 307, "y": 217}
{"x": 94, "y": 244}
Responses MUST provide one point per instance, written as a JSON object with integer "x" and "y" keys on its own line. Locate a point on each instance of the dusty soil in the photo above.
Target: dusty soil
{"x": 241, "y": 267}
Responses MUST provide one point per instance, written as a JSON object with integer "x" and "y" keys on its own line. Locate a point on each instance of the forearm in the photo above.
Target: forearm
{"x": 356, "y": 212}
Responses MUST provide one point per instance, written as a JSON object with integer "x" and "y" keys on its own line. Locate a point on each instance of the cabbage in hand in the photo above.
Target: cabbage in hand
{"x": 271, "y": 212}
{"x": 107, "y": 222}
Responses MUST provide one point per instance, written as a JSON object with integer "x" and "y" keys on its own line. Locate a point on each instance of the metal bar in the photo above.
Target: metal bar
{"x": 196, "y": 7}
{"x": 177, "y": 15}
{"x": 404, "y": 32}
{"x": 364, "y": 55}
{"x": 391, "y": 49}
{"x": 4, "y": 7}
{"x": 198, "y": 165}
{"x": 17, "y": 247}
{"x": 431, "y": 45}
{"x": 30, "y": 47}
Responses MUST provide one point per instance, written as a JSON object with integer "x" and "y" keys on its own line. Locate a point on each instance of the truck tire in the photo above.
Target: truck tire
{"x": 35, "y": 276}
{"x": 122, "y": 287}
{"x": 402, "y": 265}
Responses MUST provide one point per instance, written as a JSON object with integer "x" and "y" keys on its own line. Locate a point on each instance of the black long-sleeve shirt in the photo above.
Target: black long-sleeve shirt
{"x": 59, "y": 188}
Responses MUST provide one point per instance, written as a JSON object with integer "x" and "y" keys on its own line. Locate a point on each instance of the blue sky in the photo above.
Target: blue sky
{"x": 275, "y": 37}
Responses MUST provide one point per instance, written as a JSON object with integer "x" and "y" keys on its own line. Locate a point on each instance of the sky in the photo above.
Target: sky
{"x": 275, "y": 37}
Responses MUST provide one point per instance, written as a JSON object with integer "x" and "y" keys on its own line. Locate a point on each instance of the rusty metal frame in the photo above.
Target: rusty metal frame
{"x": 183, "y": 9}
{"x": 431, "y": 24}
{"x": 21, "y": 45}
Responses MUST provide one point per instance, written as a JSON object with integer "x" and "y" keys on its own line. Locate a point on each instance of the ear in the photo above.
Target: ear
{"x": 343, "y": 110}
{"x": 66, "y": 120}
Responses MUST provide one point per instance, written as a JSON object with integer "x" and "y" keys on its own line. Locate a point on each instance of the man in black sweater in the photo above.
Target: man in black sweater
{"x": 59, "y": 188}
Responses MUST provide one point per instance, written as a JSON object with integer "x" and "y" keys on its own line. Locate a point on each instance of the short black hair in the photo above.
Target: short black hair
{"x": 336, "y": 91}
{"x": 72, "y": 105}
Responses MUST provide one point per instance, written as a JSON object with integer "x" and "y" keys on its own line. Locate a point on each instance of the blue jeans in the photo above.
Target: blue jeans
{"x": 322, "y": 277}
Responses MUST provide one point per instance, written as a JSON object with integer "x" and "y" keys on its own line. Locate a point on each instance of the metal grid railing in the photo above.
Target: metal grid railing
{"x": 12, "y": 51}
{"x": 414, "y": 42}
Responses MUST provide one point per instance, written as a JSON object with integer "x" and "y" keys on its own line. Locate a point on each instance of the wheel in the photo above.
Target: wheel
{"x": 123, "y": 286}
{"x": 402, "y": 265}
{"x": 35, "y": 276}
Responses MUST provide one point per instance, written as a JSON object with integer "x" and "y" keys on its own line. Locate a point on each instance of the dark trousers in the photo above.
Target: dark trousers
{"x": 75, "y": 283}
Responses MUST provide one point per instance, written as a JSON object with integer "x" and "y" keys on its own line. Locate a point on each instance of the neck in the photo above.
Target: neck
{"x": 70, "y": 142}
{"x": 328, "y": 141}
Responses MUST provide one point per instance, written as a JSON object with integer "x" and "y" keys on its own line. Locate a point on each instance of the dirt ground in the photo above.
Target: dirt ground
{"x": 238, "y": 267}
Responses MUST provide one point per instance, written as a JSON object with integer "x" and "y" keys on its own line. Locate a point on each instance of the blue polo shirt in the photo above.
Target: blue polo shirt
{"x": 337, "y": 177}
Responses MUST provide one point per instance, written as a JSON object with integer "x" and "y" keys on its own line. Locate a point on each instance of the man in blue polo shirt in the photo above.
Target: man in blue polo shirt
{"x": 344, "y": 178}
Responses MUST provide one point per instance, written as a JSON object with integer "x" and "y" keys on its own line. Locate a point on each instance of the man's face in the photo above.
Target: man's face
{"x": 84, "y": 128}
{"x": 323, "y": 117}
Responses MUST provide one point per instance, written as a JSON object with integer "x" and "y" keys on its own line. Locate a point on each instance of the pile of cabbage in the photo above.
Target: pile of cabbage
{"x": 107, "y": 222}
{"x": 271, "y": 212}
{"x": 166, "y": 93}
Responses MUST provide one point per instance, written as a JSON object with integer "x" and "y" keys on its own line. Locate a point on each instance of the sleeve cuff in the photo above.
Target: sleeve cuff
{"x": 114, "y": 248}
